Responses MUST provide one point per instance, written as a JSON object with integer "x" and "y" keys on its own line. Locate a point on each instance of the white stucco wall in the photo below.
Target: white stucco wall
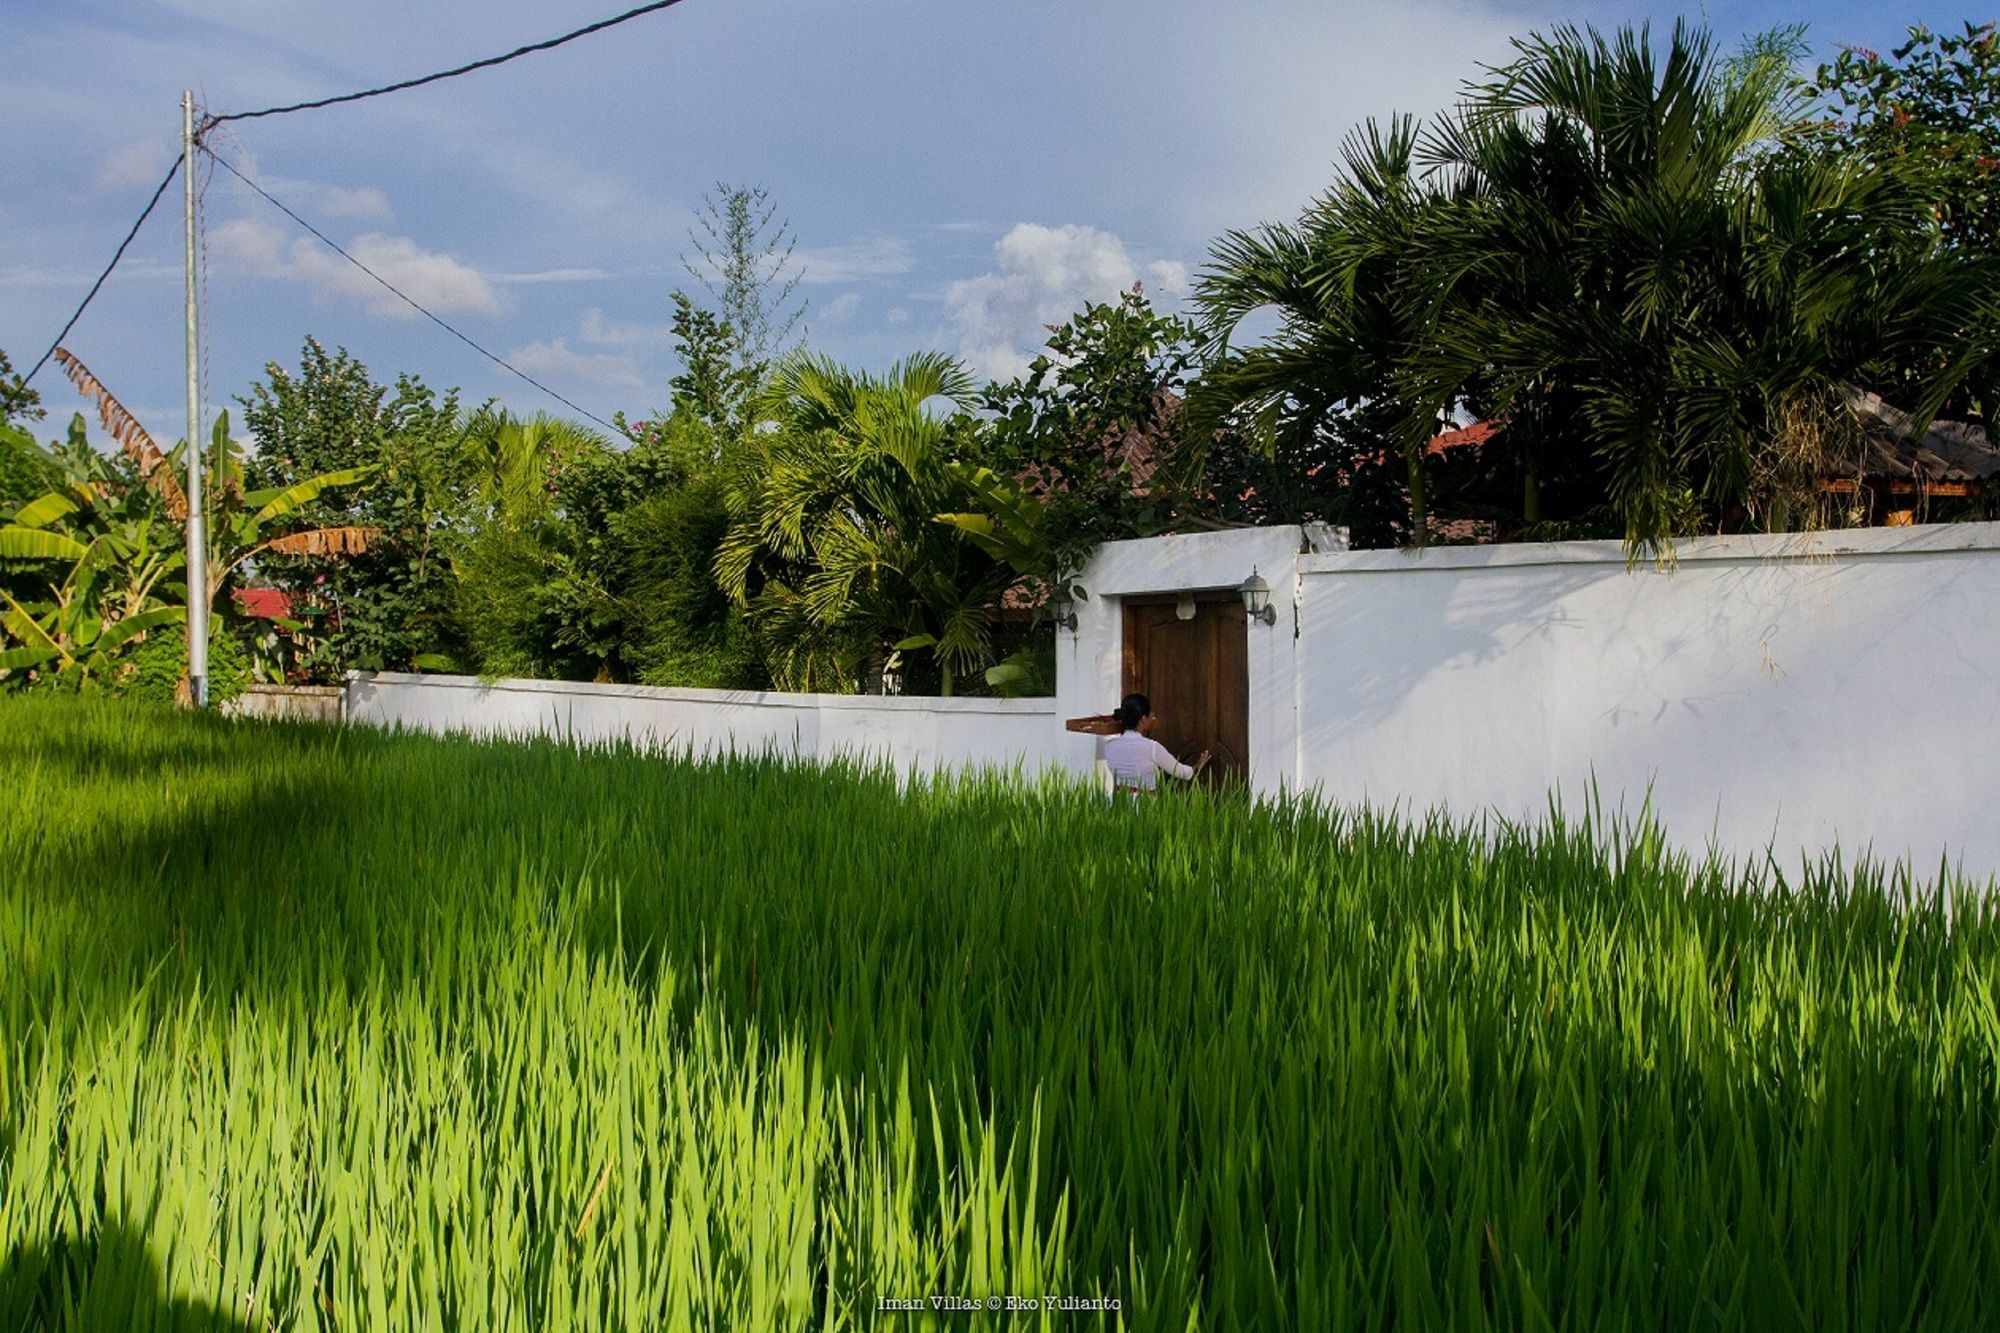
{"x": 914, "y": 734}
{"x": 1796, "y": 692}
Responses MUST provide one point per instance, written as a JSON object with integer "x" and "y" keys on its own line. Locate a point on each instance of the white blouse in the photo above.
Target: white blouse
{"x": 1138, "y": 761}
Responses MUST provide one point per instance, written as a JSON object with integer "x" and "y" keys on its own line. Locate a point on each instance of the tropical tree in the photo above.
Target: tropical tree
{"x": 116, "y": 530}
{"x": 532, "y": 594}
{"x": 1639, "y": 261}
{"x": 1931, "y": 107}
{"x": 246, "y": 526}
{"x": 91, "y": 565}
{"x": 1339, "y": 282}
{"x": 394, "y": 606}
{"x": 18, "y": 402}
{"x": 834, "y": 545}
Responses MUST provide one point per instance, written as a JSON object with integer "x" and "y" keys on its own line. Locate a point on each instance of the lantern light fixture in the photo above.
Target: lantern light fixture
{"x": 1062, "y": 608}
{"x": 1257, "y": 598}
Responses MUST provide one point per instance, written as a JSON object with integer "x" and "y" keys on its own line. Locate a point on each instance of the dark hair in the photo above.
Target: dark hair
{"x": 1135, "y": 707}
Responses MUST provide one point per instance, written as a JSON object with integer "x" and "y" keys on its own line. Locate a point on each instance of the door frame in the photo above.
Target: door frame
{"x": 1090, "y": 667}
{"x": 1228, "y": 738}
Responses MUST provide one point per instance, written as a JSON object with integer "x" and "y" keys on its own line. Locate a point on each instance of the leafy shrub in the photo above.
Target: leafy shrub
{"x": 159, "y": 663}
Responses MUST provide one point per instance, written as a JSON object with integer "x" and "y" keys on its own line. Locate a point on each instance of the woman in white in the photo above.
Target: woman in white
{"x": 1135, "y": 759}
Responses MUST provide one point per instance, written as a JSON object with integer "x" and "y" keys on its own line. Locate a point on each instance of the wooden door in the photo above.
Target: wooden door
{"x": 1197, "y": 674}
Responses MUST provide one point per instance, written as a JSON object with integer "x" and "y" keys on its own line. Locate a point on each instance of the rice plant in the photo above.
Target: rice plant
{"x": 331, "y": 1029}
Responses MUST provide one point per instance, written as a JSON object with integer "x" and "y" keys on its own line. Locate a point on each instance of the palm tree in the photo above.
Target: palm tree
{"x": 834, "y": 544}
{"x": 531, "y": 589}
{"x": 1643, "y": 261}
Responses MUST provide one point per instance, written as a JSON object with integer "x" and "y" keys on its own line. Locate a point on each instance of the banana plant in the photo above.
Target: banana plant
{"x": 118, "y": 531}
{"x": 101, "y": 555}
{"x": 241, "y": 524}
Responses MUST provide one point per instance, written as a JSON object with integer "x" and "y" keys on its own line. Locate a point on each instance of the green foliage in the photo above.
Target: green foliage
{"x": 712, "y": 392}
{"x": 409, "y": 1033}
{"x": 159, "y": 665}
{"x": 26, "y": 470}
{"x": 18, "y": 402}
{"x": 1093, "y": 432}
{"x": 243, "y": 526}
{"x": 743, "y": 259}
{"x": 397, "y": 601}
{"x": 531, "y": 597}
{"x": 1931, "y": 111}
{"x": 1641, "y": 260}
{"x": 689, "y": 632}
{"x": 834, "y": 547}
{"x": 86, "y": 571}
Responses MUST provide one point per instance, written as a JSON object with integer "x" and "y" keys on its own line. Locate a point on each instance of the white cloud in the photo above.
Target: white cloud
{"x": 1045, "y": 275}
{"x": 248, "y": 245}
{"x": 442, "y": 284}
{"x": 876, "y": 257}
{"x": 136, "y": 164}
{"x": 837, "y": 311}
{"x": 317, "y": 199}
{"x": 1169, "y": 277}
{"x": 601, "y": 332}
{"x": 554, "y": 275}
{"x": 896, "y": 317}
{"x": 555, "y": 360}
{"x": 81, "y": 278}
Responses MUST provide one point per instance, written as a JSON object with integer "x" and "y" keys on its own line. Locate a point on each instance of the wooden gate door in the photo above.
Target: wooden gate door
{"x": 1197, "y": 673}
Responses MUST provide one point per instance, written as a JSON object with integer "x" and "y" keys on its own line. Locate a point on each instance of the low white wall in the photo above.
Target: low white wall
{"x": 915, "y": 734}
{"x": 1795, "y": 692}
{"x": 291, "y": 703}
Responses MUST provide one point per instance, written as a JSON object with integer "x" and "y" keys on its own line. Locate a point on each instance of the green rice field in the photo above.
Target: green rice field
{"x": 312, "y": 1028}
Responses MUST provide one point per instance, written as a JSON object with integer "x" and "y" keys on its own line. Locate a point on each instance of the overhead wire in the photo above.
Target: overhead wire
{"x": 214, "y": 120}
{"x": 119, "y": 254}
{"x": 441, "y": 75}
{"x": 404, "y": 297}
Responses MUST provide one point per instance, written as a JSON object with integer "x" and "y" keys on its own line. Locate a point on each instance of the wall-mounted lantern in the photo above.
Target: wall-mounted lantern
{"x": 1062, "y": 608}
{"x": 1257, "y": 598}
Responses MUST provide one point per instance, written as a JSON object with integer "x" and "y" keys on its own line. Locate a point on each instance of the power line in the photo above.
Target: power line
{"x": 487, "y": 63}
{"x": 144, "y": 213}
{"x": 337, "y": 101}
{"x": 407, "y": 300}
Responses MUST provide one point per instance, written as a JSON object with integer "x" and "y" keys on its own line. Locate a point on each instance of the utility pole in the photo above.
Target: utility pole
{"x": 197, "y": 541}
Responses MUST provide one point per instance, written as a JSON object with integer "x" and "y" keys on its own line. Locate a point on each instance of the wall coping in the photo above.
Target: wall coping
{"x": 1746, "y": 548}
{"x": 738, "y": 698}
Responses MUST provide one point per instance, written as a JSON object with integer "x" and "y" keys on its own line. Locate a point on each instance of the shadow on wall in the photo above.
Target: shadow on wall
{"x": 1380, "y": 636}
{"x": 1761, "y": 702}
{"x": 108, "y": 1281}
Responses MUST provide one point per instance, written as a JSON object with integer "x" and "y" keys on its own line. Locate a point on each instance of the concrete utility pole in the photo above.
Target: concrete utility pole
{"x": 197, "y": 541}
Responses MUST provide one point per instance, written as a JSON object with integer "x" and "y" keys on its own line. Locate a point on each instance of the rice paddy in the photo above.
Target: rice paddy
{"x": 315, "y": 1028}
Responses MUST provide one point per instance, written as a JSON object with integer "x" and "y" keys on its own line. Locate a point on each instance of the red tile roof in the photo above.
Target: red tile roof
{"x": 1479, "y": 432}
{"x": 264, "y": 603}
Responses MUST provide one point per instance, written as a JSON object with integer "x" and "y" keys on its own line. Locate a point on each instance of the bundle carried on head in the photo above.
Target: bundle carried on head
{"x": 1100, "y": 724}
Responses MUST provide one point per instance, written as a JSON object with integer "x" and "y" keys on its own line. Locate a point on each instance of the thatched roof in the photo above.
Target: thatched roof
{"x": 1948, "y": 451}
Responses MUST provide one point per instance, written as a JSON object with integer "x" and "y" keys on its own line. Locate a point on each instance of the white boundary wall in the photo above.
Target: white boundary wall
{"x": 1792, "y": 693}
{"x": 912, "y": 733}
{"x": 1795, "y": 693}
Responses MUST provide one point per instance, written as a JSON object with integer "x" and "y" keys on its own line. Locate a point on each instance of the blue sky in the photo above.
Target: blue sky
{"x": 958, "y": 174}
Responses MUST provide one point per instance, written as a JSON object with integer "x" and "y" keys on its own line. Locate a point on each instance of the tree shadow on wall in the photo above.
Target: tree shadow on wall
{"x": 109, "y": 1280}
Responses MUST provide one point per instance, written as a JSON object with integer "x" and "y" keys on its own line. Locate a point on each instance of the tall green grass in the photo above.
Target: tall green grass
{"x": 337, "y": 1029}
